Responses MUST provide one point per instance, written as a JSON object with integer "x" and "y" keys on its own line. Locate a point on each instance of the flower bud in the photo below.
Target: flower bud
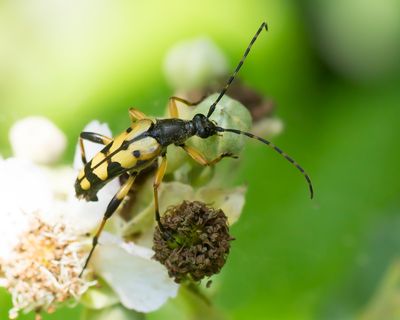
{"x": 194, "y": 64}
{"x": 229, "y": 113}
{"x": 38, "y": 140}
{"x": 268, "y": 127}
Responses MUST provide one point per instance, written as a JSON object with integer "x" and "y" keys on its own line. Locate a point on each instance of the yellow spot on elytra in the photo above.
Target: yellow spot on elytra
{"x": 81, "y": 174}
{"x": 149, "y": 149}
{"x": 101, "y": 171}
{"x": 138, "y": 128}
{"x": 124, "y": 158}
{"x": 85, "y": 184}
{"x": 97, "y": 159}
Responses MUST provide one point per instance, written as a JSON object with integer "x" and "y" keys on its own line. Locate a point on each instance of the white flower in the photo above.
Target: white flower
{"x": 43, "y": 268}
{"x": 37, "y": 139}
{"x": 44, "y": 242}
{"x": 194, "y": 63}
{"x": 39, "y": 257}
{"x": 141, "y": 283}
{"x": 23, "y": 190}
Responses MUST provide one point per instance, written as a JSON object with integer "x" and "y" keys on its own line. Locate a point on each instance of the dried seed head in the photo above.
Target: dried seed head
{"x": 194, "y": 242}
{"x": 43, "y": 269}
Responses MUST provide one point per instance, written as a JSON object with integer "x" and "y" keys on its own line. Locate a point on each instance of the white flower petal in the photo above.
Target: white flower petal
{"x": 3, "y": 282}
{"x": 91, "y": 148}
{"x": 83, "y": 216}
{"x": 24, "y": 191}
{"x": 62, "y": 180}
{"x": 79, "y": 215}
{"x": 141, "y": 283}
{"x": 37, "y": 139}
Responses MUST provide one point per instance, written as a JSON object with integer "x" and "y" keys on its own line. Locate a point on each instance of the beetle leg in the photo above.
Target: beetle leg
{"x": 157, "y": 181}
{"x": 112, "y": 206}
{"x": 198, "y": 157}
{"x": 173, "y": 109}
{"x": 92, "y": 137}
{"x": 136, "y": 115}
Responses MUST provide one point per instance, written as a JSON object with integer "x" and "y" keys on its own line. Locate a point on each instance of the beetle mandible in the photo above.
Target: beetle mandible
{"x": 144, "y": 142}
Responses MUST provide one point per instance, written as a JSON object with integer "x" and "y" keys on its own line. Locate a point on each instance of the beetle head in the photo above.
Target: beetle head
{"x": 204, "y": 127}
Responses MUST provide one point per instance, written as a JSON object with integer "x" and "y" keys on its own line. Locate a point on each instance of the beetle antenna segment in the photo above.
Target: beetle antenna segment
{"x": 212, "y": 108}
{"x": 274, "y": 147}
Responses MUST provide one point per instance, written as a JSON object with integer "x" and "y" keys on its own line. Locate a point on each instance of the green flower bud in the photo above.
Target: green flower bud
{"x": 268, "y": 127}
{"x": 194, "y": 64}
{"x": 229, "y": 113}
{"x": 353, "y": 53}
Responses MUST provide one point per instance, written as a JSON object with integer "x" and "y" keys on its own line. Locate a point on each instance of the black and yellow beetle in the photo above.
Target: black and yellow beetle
{"x": 144, "y": 142}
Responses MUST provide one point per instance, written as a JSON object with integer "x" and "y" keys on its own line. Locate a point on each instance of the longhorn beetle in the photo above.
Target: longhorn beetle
{"x": 144, "y": 142}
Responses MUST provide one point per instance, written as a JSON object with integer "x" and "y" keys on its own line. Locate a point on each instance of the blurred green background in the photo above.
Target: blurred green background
{"x": 333, "y": 67}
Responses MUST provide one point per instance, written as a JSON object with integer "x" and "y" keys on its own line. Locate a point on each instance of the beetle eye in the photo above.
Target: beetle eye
{"x": 202, "y": 132}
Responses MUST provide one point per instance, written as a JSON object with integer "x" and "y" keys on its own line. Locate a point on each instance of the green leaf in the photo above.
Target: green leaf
{"x": 385, "y": 302}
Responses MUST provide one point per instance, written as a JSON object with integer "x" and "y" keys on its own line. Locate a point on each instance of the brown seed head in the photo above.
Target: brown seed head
{"x": 194, "y": 242}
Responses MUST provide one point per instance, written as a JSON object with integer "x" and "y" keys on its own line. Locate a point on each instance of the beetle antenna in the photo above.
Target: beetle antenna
{"x": 274, "y": 147}
{"x": 222, "y": 93}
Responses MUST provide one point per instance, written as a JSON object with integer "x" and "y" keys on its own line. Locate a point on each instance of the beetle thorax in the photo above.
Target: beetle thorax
{"x": 172, "y": 131}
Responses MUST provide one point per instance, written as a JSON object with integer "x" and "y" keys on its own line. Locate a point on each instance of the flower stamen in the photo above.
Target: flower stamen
{"x": 43, "y": 269}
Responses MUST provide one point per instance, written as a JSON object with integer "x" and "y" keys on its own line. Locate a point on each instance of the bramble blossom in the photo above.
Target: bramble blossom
{"x": 45, "y": 241}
